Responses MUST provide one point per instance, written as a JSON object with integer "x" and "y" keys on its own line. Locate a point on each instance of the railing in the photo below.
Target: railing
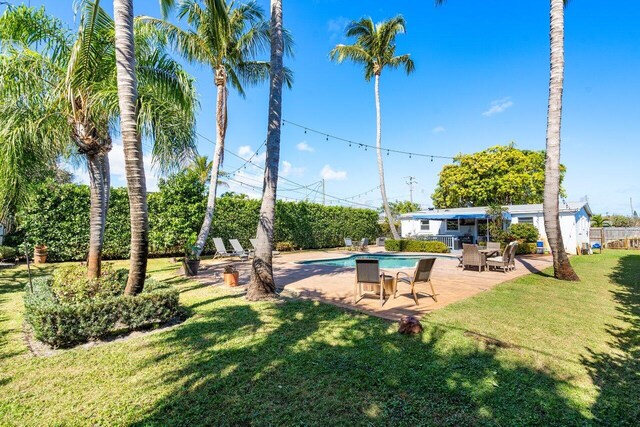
{"x": 446, "y": 239}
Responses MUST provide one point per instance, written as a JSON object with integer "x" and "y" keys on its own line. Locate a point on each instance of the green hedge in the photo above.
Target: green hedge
{"x": 407, "y": 245}
{"x": 8, "y": 253}
{"x": 526, "y": 248}
{"x": 63, "y": 324}
{"x": 58, "y": 216}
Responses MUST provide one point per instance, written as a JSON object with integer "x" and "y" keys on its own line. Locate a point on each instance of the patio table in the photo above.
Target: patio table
{"x": 489, "y": 252}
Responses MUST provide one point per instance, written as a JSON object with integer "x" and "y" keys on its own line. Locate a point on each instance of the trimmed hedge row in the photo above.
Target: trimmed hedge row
{"x": 407, "y": 245}
{"x": 58, "y": 216}
{"x": 63, "y": 324}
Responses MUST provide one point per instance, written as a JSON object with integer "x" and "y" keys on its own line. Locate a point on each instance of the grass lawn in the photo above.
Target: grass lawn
{"x": 530, "y": 351}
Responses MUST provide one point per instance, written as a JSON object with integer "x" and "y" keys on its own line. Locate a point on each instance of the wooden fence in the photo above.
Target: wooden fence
{"x": 616, "y": 237}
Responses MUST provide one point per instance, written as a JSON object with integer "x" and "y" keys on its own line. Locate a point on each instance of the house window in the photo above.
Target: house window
{"x": 424, "y": 225}
{"x": 452, "y": 225}
{"x": 525, "y": 220}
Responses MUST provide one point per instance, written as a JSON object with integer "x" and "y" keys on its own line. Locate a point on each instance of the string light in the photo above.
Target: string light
{"x": 360, "y": 145}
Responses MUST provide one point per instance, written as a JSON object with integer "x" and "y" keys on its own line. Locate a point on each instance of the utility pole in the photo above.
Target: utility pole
{"x": 323, "y": 193}
{"x": 631, "y": 204}
{"x": 411, "y": 181}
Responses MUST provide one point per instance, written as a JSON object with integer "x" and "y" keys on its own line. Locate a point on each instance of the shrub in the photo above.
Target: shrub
{"x": 284, "y": 246}
{"x": 526, "y": 248}
{"x": 62, "y": 323}
{"x": 58, "y": 215}
{"x": 70, "y": 283}
{"x": 405, "y": 245}
{"x": 527, "y": 233}
{"x": 7, "y": 252}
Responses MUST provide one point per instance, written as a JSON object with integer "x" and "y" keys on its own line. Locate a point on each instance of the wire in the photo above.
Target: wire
{"x": 360, "y": 145}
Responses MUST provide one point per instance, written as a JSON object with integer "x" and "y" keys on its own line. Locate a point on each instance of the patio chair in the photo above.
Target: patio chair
{"x": 254, "y": 243}
{"x": 494, "y": 245}
{"x": 512, "y": 259}
{"x": 422, "y": 274}
{"x": 472, "y": 257}
{"x": 238, "y": 249}
{"x": 221, "y": 251}
{"x": 368, "y": 272}
{"x": 348, "y": 243}
{"x": 501, "y": 262}
{"x": 364, "y": 244}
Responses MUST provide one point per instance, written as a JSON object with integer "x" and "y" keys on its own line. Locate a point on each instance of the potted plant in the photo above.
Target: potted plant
{"x": 40, "y": 254}
{"x": 230, "y": 275}
{"x": 191, "y": 262}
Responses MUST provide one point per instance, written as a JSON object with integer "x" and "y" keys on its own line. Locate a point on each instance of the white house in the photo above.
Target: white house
{"x": 469, "y": 225}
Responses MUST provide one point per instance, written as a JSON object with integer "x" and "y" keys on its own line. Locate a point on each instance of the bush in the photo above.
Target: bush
{"x": 58, "y": 215}
{"x": 284, "y": 246}
{"x": 527, "y": 233}
{"x": 63, "y": 323}
{"x": 70, "y": 283}
{"x": 405, "y": 245}
{"x": 526, "y": 248}
{"x": 7, "y": 252}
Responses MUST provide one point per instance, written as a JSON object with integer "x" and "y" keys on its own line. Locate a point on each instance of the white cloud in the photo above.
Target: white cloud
{"x": 303, "y": 146}
{"x": 287, "y": 169}
{"x": 329, "y": 174}
{"x": 438, "y": 129}
{"x": 498, "y": 106}
{"x": 336, "y": 27}
{"x": 245, "y": 151}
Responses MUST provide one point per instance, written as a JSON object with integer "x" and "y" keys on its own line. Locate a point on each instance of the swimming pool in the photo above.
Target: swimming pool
{"x": 386, "y": 261}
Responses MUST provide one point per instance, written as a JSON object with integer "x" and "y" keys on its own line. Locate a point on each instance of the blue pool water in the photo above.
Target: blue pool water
{"x": 386, "y": 261}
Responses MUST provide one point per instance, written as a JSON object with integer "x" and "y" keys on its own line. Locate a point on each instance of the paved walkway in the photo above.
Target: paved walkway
{"x": 335, "y": 285}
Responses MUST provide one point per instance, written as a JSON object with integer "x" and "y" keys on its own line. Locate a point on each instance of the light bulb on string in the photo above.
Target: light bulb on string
{"x": 431, "y": 158}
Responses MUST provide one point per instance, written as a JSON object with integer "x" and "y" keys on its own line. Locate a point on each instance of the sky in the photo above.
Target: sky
{"x": 481, "y": 79}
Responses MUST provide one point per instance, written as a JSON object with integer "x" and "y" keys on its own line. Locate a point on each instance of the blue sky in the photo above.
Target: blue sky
{"x": 481, "y": 79}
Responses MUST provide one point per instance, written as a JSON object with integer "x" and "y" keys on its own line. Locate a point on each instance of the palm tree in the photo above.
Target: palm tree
{"x": 375, "y": 48}
{"x": 262, "y": 285}
{"x": 73, "y": 85}
{"x": 561, "y": 266}
{"x": 227, "y": 38}
{"x": 597, "y": 221}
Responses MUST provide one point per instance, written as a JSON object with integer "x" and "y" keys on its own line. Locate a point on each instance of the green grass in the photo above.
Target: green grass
{"x": 530, "y": 351}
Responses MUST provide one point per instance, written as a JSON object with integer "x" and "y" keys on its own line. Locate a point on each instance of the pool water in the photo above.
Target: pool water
{"x": 386, "y": 261}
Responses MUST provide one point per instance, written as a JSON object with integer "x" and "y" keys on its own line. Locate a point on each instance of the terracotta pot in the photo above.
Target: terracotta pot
{"x": 231, "y": 279}
{"x": 40, "y": 254}
{"x": 191, "y": 267}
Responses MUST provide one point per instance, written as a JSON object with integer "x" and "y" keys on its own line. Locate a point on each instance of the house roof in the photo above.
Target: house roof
{"x": 480, "y": 212}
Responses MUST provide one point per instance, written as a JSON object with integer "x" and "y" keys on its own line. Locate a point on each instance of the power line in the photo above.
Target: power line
{"x": 361, "y": 145}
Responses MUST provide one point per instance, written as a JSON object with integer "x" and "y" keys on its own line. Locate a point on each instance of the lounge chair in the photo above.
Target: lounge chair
{"x": 254, "y": 243}
{"x": 238, "y": 249}
{"x": 472, "y": 257}
{"x": 348, "y": 243}
{"x": 221, "y": 251}
{"x": 364, "y": 244}
{"x": 368, "y": 272}
{"x": 422, "y": 274}
{"x": 505, "y": 262}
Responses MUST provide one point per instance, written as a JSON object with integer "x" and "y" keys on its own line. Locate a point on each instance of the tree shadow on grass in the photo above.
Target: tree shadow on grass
{"x": 617, "y": 373}
{"x": 308, "y": 363}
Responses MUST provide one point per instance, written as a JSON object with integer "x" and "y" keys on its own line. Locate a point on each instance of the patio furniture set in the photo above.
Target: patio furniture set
{"x": 370, "y": 279}
{"x": 350, "y": 245}
{"x": 489, "y": 258}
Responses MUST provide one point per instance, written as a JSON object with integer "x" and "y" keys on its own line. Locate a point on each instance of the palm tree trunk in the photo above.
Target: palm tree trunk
{"x": 262, "y": 285}
{"x": 561, "y": 266}
{"x": 131, "y": 143}
{"x": 221, "y": 131}
{"x": 99, "y": 182}
{"x": 383, "y": 190}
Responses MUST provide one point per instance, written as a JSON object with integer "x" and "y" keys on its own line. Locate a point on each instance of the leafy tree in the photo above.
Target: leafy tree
{"x": 262, "y": 285}
{"x": 227, "y": 38}
{"x": 619, "y": 221}
{"x": 501, "y": 175}
{"x": 496, "y": 230}
{"x": 59, "y": 87}
{"x": 375, "y": 48}
{"x": 403, "y": 207}
{"x": 528, "y": 233}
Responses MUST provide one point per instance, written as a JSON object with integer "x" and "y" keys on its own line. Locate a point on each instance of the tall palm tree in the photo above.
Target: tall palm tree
{"x": 201, "y": 166}
{"x": 132, "y": 144}
{"x": 227, "y": 38}
{"x": 262, "y": 285}
{"x": 375, "y": 48}
{"x": 73, "y": 84}
{"x": 561, "y": 266}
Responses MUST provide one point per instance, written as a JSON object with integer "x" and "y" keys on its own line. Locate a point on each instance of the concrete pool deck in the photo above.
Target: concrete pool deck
{"x": 334, "y": 285}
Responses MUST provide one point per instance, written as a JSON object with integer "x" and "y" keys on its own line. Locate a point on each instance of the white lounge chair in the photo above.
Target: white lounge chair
{"x": 254, "y": 242}
{"x": 221, "y": 251}
{"x": 238, "y": 249}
